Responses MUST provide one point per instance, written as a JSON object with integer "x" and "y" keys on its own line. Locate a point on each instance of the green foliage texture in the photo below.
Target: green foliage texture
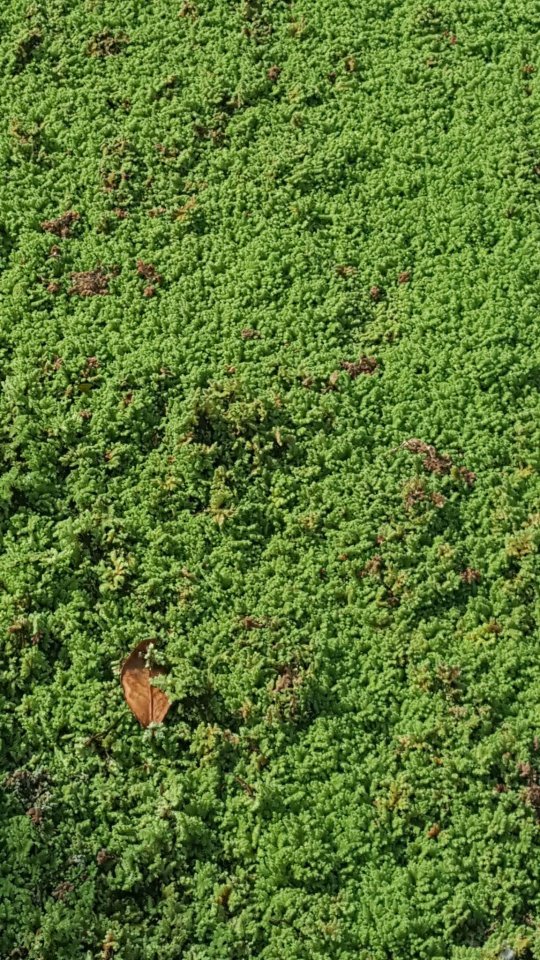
{"x": 349, "y": 620}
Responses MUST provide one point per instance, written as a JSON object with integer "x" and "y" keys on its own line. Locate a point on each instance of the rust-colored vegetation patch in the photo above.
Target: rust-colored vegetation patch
{"x": 437, "y": 463}
{"x": 356, "y": 367}
{"x": 105, "y": 44}
{"x": 89, "y": 283}
{"x": 61, "y": 226}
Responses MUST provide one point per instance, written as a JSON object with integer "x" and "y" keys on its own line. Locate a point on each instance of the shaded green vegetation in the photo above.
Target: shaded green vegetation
{"x": 269, "y": 348}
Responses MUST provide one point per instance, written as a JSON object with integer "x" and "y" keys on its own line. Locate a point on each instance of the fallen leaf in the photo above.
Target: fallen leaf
{"x": 148, "y": 703}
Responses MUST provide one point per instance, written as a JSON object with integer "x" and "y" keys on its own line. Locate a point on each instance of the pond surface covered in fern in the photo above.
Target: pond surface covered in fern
{"x": 269, "y": 349}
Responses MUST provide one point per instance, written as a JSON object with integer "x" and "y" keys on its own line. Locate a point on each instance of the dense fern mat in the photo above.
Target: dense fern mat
{"x": 270, "y": 361}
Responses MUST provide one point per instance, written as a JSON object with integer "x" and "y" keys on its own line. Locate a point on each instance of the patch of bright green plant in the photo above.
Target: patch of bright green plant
{"x": 269, "y": 356}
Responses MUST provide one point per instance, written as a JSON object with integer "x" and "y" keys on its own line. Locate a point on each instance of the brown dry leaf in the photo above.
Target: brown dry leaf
{"x": 148, "y": 703}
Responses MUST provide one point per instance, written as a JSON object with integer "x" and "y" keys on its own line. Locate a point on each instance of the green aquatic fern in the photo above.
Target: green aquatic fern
{"x": 269, "y": 363}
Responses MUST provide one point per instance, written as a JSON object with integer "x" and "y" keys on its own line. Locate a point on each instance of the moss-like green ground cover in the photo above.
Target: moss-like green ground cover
{"x": 270, "y": 398}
